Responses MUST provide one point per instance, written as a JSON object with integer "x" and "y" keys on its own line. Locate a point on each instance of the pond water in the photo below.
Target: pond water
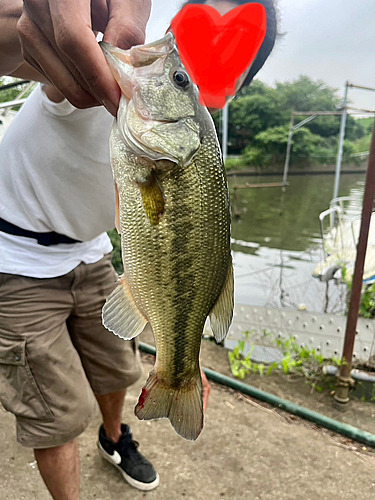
{"x": 276, "y": 241}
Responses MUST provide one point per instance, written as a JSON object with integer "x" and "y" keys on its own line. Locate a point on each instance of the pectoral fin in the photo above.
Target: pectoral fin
{"x": 153, "y": 198}
{"x": 222, "y": 312}
{"x": 120, "y": 313}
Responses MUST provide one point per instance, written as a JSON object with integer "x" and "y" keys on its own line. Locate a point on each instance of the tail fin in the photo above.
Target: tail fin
{"x": 182, "y": 406}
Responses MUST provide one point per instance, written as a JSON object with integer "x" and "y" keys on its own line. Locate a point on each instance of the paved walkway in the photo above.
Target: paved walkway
{"x": 245, "y": 452}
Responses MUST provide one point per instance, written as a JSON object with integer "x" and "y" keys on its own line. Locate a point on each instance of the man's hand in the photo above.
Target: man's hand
{"x": 58, "y": 40}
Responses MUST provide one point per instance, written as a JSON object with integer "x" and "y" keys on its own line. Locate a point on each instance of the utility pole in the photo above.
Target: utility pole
{"x": 288, "y": 148}
{"x": 224, "y": 142}
{"x": 341, "y": 142}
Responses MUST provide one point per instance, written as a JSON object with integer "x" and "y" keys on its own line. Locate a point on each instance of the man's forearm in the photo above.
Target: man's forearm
{"x": 10, "y": 47}
{"x": 11, "y": 59}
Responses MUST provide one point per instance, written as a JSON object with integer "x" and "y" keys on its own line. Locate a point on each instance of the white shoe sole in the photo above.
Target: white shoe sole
{"x": 130, "y": 480}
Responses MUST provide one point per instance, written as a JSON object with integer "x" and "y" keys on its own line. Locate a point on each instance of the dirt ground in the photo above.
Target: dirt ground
{"x": 297, "y": 390}
{"x": 246, "y": 451}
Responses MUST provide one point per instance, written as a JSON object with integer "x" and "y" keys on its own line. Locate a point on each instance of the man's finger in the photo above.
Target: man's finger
{"x": 127, "y": 22}
{"x": 83, "y": 50}
{"x": 206, "y": 390}
{"x": 78, "y": 66}
{"x": 41, "y": 17}
{"x": 76, "y": 40}
{"x": 40, "y": 54}
{"x": 99, "y": 15}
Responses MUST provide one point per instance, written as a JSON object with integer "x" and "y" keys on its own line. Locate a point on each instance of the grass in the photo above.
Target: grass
{"x": 364, "y": 143}
{"x": 296, "y": 360}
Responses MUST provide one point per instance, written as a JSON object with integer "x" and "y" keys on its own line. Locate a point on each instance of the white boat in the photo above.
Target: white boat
{"x": 340, "y": 242}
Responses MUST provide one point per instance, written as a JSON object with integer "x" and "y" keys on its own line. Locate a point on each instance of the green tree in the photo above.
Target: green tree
{"x": 9, "y": 94}
{"x": 305, "y": 94}
{"x": 259, "y": 118}
{"x": 253, "y": 110}
{"x": 270, "y": 146}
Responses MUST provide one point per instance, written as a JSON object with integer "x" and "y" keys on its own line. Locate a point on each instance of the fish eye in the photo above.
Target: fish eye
{"x": 181, "y": 78}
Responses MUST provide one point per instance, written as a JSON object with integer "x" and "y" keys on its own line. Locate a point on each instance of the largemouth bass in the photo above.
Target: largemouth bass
{"x": 174, "y": 217}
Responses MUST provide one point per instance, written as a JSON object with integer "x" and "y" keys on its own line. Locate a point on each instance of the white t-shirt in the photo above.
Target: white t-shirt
{"x": 55, "y": 175}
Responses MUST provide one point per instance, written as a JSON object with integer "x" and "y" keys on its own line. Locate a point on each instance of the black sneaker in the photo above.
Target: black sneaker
{"x": 137, "y": 471}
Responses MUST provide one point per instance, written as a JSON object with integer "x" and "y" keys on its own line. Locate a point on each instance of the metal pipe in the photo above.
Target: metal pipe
{"x": 225, "y": 132}
{"x": 341, "y": 143}
{"x": 359, "y": 375}
{"x": 303, "y": 122}
{"x": 13, "y": 84}
{"x": 288, "y": 149}
{"x": 317, "y": 113}
{"x": 329, "y": 423}
{"x": 10, "y": 104}
{"x": 343, "y": 379}
{"x": 367, "y": 111}
{"x": 351, "y": 85}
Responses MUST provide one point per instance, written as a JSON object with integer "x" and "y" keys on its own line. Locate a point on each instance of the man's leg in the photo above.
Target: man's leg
{"x": 111, "y": 408}
{"x": 111, "y": 365}
{"x": 59, "y": 468}
{"x": 47, "y": 390}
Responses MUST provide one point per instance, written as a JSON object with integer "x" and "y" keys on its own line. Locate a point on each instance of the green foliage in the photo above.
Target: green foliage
{"x": 367, "y": 124}
{"x": 11, "y": 94}
{"x": 305, "y": 94}
{"x": 255, "y": 109}
{"x": 234, "y": 164}
{"x": 354, "y": 129}
{"x": 367, "y": 305}
{"x": 259, "y": 118}
{"x": 116, "y": 254}
{"x": 270, "y": 145}
{"x": 296, "y": 360}
{"x": 241, "y": 365}
{"x": 364, "y": 143}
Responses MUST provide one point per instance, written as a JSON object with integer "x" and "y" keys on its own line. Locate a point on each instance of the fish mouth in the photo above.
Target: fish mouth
{"x": 123, "y": 62}
{"x": 119, "y": 63}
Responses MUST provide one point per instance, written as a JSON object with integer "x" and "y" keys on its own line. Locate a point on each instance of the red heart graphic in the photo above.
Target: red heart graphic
{"x": 215, "y": 49}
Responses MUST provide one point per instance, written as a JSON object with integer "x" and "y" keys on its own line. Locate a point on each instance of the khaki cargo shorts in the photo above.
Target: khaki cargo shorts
{"x": 55, "y": 352}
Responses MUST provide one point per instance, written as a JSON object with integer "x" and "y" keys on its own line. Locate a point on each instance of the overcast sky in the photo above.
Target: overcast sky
{"x": 331, "y": 40}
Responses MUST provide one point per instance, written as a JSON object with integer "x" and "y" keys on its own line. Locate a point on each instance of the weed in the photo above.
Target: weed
{"x": 296, "y": 360}
{"x": 367, "y": 304}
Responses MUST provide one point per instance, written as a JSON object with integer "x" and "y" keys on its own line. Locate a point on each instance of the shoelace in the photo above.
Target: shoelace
{"x": 126, "y": 446}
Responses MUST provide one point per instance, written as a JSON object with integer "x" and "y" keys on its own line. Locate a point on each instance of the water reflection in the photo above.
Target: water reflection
{"x": 276, "y": 242}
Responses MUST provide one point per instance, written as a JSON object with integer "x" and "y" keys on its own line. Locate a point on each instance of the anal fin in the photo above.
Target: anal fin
{"x": 120, "y": 313}
{"x": 222, "y": 313}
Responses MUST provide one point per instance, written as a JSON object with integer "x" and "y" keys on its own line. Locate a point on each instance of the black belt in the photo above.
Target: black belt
{"x": 45, "y": 239}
